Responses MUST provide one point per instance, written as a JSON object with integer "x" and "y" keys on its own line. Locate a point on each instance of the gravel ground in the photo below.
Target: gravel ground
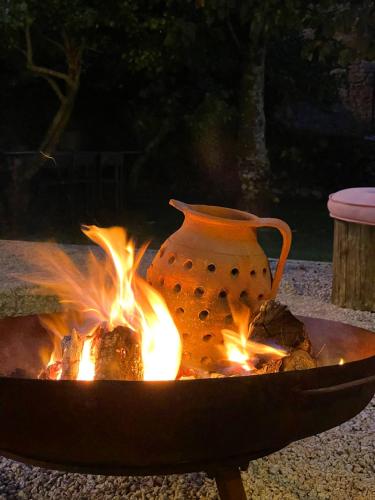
{"x": 337, "y": 464}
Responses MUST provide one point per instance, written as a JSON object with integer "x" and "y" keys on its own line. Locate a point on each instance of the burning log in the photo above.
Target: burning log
{"x": 52, "y": 371}
{"x": 72, "y": 350}
{"x": 275, "y": 324}
{"x": 118, "y": 355}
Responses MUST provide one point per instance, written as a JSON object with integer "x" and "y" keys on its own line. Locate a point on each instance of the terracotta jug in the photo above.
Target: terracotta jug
{"x": 212, "y": 259}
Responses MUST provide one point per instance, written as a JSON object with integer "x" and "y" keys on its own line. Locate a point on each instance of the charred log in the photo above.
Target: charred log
{"x": 118, "y": 355}
{"x": 276, "y": 325}
{"x": 51, "y": 372}
{"x": 72, "y": 350}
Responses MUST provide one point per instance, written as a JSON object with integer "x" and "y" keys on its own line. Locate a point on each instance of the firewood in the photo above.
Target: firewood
{"x": 272, "y": 366}
{"x": 298, "y": 360}
{"x": 118, "y": 355}
{"x": 72, "y": 350}
{"x": 51, "y": 372}
{"x": 275, "y": 325}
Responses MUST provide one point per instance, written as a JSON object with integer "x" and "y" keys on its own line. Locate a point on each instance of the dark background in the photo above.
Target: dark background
{"x": 319, "y": 140}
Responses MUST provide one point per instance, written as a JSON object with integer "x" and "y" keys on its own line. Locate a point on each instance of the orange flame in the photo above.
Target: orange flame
{"x": 109, "y": 293}
{"x": 87, "y": 363}
{"x": 241, "y": 350}
{"x": 54, "y": 368}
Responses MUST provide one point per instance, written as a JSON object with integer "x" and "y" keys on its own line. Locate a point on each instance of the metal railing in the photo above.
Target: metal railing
{"x": 95, "y": 171}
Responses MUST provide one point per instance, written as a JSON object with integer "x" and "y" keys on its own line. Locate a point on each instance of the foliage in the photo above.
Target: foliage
{"x": 179, "y": 65}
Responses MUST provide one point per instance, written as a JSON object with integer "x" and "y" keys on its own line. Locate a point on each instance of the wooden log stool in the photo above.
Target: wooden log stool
{"x": 354, "y": 248}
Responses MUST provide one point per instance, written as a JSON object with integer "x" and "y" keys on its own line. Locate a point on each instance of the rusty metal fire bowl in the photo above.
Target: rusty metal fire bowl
{"x": 140, "y": 428}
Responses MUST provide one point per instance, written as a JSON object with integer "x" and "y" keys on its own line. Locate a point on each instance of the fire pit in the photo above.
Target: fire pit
{"x": 140, "y": 428}
{"x": 104, "y": 386}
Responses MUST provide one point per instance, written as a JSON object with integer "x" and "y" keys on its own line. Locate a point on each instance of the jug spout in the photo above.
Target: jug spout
{"x": 180, "y": 205}
{"x": 215, "y": 215}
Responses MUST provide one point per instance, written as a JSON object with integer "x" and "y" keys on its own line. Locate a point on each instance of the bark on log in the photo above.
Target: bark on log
{"x": 354, "y": 266}
{"x": 118, "y": 355}
{"x": 275, "y": 325}
{"x": 72, "y": 351}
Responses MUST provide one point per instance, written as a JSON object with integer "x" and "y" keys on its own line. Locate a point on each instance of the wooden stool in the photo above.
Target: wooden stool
{"x": 354, "y": 248}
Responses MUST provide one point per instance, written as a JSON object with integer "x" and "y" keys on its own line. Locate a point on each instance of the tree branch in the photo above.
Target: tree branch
{"x": 55, "y": 88}
{"x": 40, "y": 70}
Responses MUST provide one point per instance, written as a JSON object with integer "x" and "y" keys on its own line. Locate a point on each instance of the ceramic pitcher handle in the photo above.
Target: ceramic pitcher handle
{"x": 286, "y": 233}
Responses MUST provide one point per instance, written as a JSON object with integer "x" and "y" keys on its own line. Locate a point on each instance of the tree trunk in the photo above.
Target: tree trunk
{"x": 19, "y": 195}
{"x": 253, "y": 163}
{"x": 59, "y": 123}
{"x": 69, "y": 79}
{"x": 53, "y": 134}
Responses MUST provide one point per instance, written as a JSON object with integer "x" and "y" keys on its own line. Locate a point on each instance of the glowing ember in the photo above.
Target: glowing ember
{"x": 241, "y": 350}
{"x": 109, "y": 294}
{"x": 54, "y": 367}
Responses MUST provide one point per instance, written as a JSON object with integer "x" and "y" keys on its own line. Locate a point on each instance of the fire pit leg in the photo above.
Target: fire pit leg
{"x": 229, "y": 484}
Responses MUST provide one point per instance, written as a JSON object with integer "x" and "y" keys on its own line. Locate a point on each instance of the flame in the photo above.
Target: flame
{"x": 54, "y": 367}
{"x": 87, "y": 363}
{"x": 109, "y": 293}
{"x": 241, "y": 350}
{"x": 342, "y": 361}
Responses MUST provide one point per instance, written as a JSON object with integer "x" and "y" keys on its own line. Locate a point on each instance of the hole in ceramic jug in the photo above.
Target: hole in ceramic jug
{"x": 203, "y": 315}
{"x": 188, "y": 264}
{"x": 207, "y": 337}
{"x": 171, "y": 259}
{"x": 223, "y": 294}
{"x": 162, "y": 252}
{"x": 244, "y": 295}
{"x": 264, "y": 271}
{"x": 235, "y": 272}
{"x": 260, "y": 296}
{"x": 180, "y": 310}
{"x": 228, "y": 319}
{"x": 185, "y": 335}
{"x": 199, "y": 292}
{"x": 206, "y": 360}
{"x": 211, "y": 268}
{"x": 177, "y": 288}
{"x": 161, "y": 281}
{"x": 252, "y": 273}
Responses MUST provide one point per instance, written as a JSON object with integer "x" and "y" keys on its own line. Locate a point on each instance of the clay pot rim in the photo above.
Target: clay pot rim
{"x": 202, "y": 213}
